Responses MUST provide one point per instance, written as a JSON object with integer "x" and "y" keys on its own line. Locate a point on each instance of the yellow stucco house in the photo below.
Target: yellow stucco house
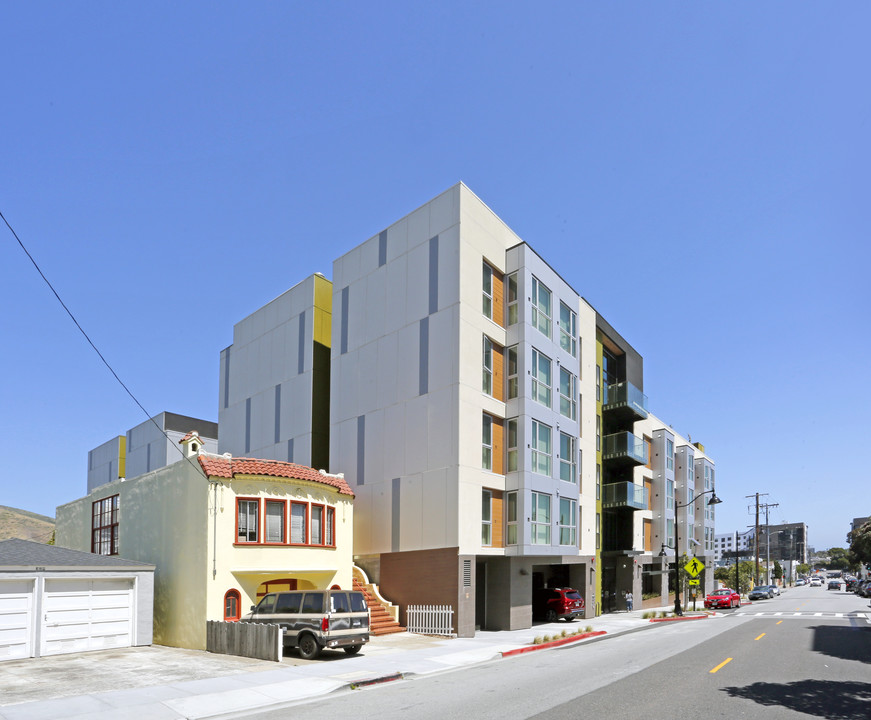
{"x": 221, "y": 531}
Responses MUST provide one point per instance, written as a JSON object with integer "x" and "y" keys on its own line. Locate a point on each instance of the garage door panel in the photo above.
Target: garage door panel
{"x": 87, "y": 615}
{"x": 16, "y": 619}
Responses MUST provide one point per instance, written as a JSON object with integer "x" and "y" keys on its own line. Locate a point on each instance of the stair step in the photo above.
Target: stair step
{"x": 381, "y": 622}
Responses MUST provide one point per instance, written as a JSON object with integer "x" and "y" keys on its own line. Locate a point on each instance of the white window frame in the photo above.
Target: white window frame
{"x": 569, "y": 462}
{"x": 487, "y": 380}
{"x": 542, "y": 307}
{"x": 511, "y": 518}
{"x": 511, "y": 431}
{"x": 568, "y": 531}
{"x": 487, "y": 442}
{"x": 541, "y": 456}
{"x": 486, "y": 518}
{"x": 542, "y": 386}
{"x": 487, "y": 293}
{"x": 568, "y": 404}
{"x": 513, "y": 375}
{"x": 568, "y": 335}
{"x": 513, "y": 304}
{"x": 540, "y": 524}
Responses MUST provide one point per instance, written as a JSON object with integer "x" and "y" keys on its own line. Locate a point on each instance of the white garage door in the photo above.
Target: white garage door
{"x": 83, "y": 615}
{"x": 16, "y": 619}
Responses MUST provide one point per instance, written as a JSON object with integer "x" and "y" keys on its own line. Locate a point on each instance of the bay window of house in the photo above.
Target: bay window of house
{"x": 513, "y": 382}
{"x": 330, "y": 527}
{"x": 275, "y": 512}
{"x": 486, "y": 518}
{"x": 541, "y": 378}
{"x": 488, "y": 291}
{"x": 298, "y": 523}
{"x": 317, "y": 525}
{"x": 541, "y": 448}
{"x": 568, "y": 403}
{"x": 488, "y": 366}
{"x": 248, "y": 520}
{"x": 568, "y": 527}
{"x": 511, "y": 518}
{"x": 541, "y": 307}
{"x": 104, "y": 526}
{"x": 568, "y": 469}
{"x": 540, "y": 523}
{"x": 568, "y": 323}
{"x": 512, "y": 445}
{"x": 487, "y": 442}
{"x": 513, "y": 305}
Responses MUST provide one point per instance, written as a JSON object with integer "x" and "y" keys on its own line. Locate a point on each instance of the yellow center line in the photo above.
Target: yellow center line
{"x": 725, "y": 662}
{"x": 761, "y": 636}
{"x": 778, "y": 622}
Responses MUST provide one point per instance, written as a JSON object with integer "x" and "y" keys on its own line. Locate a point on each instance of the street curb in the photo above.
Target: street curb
{"x": 375, "y": 681}
{"x": 552, "y": 643}
{"x": 679, "y": 619}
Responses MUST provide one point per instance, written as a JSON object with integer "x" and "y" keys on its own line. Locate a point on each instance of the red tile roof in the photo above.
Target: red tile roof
{"x": 225, "y": 467}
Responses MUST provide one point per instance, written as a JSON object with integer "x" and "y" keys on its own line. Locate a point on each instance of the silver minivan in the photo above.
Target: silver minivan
{"x": 315, "y": 619}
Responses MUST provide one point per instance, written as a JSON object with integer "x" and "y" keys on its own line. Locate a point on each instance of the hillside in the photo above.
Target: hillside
{"x": 15, "y": 523}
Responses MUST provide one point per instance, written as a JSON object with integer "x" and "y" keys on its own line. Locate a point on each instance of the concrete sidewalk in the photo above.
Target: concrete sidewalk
{"x": 164, "y": 683}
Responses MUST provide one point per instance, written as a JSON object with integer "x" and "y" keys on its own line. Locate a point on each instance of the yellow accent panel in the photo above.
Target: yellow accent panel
{"x": 122, "y": 456}
{"x": 323, "y": 310}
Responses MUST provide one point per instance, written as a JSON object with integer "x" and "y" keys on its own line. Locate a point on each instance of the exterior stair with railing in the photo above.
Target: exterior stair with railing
{"x": 381, "y": 622}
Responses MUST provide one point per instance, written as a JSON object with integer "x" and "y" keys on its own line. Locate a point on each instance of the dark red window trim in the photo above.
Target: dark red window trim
{"x": 235, "y": 596}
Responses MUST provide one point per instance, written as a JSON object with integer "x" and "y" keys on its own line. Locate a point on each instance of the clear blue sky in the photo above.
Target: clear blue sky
{"x": 699, "y": 172}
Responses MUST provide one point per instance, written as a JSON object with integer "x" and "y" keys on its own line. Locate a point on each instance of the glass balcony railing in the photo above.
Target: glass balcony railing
{"x": 624, "y": 446}
{"x": 627, "y": 397}
{"x": 624, "y": 494}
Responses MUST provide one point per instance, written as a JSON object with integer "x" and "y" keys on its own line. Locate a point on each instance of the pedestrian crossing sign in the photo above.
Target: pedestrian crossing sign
{"x": 694, "y": 567}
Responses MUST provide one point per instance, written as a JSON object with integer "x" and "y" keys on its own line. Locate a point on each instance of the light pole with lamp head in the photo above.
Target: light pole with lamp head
{"x": 713, "y": 501}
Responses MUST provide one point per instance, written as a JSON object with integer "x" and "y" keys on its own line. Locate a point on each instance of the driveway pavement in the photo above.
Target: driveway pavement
{"x": 169, "y": 683}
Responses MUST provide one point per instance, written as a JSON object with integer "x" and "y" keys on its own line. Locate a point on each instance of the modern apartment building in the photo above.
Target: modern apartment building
{"x": 491, "y": 424}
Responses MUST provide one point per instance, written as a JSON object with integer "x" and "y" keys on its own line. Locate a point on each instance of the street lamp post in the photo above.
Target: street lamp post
{"x": 713, "y": 501}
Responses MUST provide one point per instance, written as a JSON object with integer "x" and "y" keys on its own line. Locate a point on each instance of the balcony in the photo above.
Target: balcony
{"x": 624, "y": 495}
{"x": 624, "y": 448}
{"x": 625, "y": 401}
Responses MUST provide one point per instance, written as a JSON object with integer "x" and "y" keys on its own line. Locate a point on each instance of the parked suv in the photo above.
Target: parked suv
{"x": 554, "y": 604}
{"x": 315, "y": 619}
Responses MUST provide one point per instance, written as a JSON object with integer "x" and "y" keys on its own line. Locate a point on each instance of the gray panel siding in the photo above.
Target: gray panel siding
{"x": 361, "y": 447}
{"x": 300, "y": 360}
{"x": 227, "y": 378}
{"x": 395, "y": 517}
{"x": 433, "y": 274}
{"x": 423, "y": 378}
{"x": 290, "y": 450}
{"x": 277, "y": 414}
{"x": 344, "y": 321}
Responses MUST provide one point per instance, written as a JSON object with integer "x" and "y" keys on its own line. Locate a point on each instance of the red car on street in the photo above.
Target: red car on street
{"x": 723, "y": 598}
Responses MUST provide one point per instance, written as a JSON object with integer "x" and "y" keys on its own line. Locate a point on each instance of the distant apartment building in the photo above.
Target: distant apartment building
{"x": 150, "y": 445}
{"x": 491, "y": 424}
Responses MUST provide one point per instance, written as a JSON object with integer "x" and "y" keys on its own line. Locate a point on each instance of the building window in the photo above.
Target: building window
{"x": 330, "y": 527}
{"x": 486, "y": 518}
{"x": 568, "y": 527}
{"x": 598, "y": 433}
{"x": 104, "y": 526}
{"x": 669, "y": 454}
{"x": 540, "y": 519}
{"x": 541, "y": 308}
{"x": 317, "y": 524}
{"x": 513, "y": 382}
{"x": 488, "y": 366}
{"x": 669, "y": 532}
{"x": 512, "y": 445}
{"x": 511, "y": 518}
{"x": 568, "y": 469}
{"x": 541, "y": 448}
{"x": 488, "y": 291}
{"x": 568, "y": 404}
{"x": 487, "y": 442}
{"x": 513, "y": 306}
{"x": 541, "y": 378}
{"x": 232, "y": 606}
{"x": 568, "y": 324}
{"x": 275, "y": 521}
{"x": 248, "y": 521}
{"x": 598, "y": 384}
{"x": 298, "y": 529}
{"x": 598, "y": 530}
{"x": 598, "y": 481}
{"x": 669, "y": 492}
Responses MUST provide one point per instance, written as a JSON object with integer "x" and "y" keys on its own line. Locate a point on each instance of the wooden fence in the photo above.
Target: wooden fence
{"x": 254, "y": 640}
{"x": 430, "y": 620}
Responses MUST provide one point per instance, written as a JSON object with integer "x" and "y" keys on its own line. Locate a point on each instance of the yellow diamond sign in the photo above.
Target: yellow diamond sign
{"x": 694, "y": 567}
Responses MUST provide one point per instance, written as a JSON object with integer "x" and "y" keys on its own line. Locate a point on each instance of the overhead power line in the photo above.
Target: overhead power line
{"x": 91, "y": 342}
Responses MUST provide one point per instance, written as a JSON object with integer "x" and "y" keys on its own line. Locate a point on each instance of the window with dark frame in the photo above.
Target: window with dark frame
{"x": 104, "y": 526}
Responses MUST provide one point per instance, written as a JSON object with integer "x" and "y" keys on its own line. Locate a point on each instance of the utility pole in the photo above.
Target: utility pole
{"x": 768, "y": 543}
{"x": 756, "y": 532}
